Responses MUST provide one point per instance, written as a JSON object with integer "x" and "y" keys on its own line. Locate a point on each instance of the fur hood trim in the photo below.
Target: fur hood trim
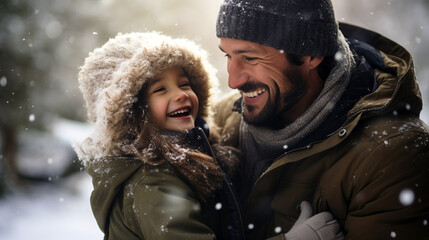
{"x": 113, "y": 75}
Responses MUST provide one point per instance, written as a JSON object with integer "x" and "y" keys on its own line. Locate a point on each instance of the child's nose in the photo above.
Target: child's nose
{"x": 181, "y": 95}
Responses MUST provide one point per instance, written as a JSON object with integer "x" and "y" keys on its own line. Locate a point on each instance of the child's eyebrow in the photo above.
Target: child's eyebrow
{"x": 154, "y": 80}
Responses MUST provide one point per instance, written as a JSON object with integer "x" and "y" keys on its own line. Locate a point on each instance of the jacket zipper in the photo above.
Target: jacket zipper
{"x": 206, "y": 142}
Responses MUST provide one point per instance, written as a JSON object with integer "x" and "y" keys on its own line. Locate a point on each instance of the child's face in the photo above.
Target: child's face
{"x": 172, "y": 102}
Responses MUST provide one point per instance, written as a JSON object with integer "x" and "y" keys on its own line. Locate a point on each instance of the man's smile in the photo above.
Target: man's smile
{"x": 254, "y": 93}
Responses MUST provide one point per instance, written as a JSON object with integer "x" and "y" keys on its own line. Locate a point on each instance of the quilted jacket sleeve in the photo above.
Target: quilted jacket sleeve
{"x": 390, "y": 190}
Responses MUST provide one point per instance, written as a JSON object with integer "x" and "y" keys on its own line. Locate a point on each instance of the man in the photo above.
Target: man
{"x": 326, "y": 113}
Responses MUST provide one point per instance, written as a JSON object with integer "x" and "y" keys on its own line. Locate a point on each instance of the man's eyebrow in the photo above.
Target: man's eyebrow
{"x": 241, "y": 51}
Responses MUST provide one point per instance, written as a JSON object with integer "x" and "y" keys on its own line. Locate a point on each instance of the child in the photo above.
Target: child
{"x": 154, "y": 173}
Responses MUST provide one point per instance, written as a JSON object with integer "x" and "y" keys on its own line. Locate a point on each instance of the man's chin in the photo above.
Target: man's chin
{"x": 254, "y": 118}
{"x": 265, "y": 118}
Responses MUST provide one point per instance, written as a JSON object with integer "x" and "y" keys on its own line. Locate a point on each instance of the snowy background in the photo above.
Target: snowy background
{"x": 54, "y": 209}
{"x": 47, "y": 41}
{"x": 50, "y": 212}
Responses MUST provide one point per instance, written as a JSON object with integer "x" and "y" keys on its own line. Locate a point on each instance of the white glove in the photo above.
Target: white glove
{"x": 320, "y": 226}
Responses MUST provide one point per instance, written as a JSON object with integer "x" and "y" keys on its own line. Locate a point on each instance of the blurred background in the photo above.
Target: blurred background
{"x": 44, "y": 193}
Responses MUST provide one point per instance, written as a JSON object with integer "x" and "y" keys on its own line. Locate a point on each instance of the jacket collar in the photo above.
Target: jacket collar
{"x": 397, "y": 86}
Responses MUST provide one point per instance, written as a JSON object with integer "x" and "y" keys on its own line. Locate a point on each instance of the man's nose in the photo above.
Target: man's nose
{"x": 237, "y": 77}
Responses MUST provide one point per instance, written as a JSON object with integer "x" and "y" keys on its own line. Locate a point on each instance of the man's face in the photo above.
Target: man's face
{"x": 271, "y": 86}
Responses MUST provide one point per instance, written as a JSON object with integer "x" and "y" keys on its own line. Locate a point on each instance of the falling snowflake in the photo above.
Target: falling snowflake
{"x": 406, "y": 197}
{"x": 418, "y": 40}
{"x": 31, "y": 118}
{"x": 338, "y": 56}
{"x": 3, "y": 81}
{"x": 164, "y": 229}
{"x": 54, "y": 29}
{"x": 408, "y": 107}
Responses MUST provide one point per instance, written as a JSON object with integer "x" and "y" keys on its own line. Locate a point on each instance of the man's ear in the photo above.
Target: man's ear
{"x": 314, "y": 61}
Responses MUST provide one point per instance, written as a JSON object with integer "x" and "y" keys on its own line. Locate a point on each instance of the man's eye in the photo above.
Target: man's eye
{"x": 251, "y": 59}
{"x": 227, "y": 55}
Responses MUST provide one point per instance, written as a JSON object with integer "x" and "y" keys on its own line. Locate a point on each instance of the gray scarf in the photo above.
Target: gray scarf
{"x": 262, "y": 145}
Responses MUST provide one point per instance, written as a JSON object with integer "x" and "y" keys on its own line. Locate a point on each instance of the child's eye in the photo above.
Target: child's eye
{"x": 160, "y": 89}
{"x": 184, "y": 85}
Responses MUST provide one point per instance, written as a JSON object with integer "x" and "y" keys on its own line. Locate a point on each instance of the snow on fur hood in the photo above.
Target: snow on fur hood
{"x": 113, "y": 75}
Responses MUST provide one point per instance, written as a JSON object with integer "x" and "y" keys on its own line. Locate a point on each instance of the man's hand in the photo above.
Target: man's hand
{"x": 320, "y": 226}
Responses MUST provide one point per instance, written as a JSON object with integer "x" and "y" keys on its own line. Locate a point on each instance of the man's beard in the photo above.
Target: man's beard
{"x": 271, "y": 115}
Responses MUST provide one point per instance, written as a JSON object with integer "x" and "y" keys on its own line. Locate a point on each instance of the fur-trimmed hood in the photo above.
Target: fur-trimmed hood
{"x": 113, "y": 75}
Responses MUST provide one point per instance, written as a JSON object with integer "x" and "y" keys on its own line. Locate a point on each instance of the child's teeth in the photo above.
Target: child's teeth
{"x": 178, "y": 112}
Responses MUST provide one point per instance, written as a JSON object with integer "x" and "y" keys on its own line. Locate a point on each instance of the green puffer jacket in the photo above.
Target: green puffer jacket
{"x": 135, "y": 201}
{"x": 372, "y": 173}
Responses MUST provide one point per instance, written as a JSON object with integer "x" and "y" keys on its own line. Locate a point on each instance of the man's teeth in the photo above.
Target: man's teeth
{"x": 178, "y": 112}
{"x": 254, "y": 93}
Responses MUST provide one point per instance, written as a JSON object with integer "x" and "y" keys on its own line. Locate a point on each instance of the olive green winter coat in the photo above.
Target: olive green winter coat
{"x": 372, "y": 173}
{"x": 134, "y": 201}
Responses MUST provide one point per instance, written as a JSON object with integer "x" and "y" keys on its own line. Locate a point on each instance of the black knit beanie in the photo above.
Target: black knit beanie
{"x": 301, "y": 27}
